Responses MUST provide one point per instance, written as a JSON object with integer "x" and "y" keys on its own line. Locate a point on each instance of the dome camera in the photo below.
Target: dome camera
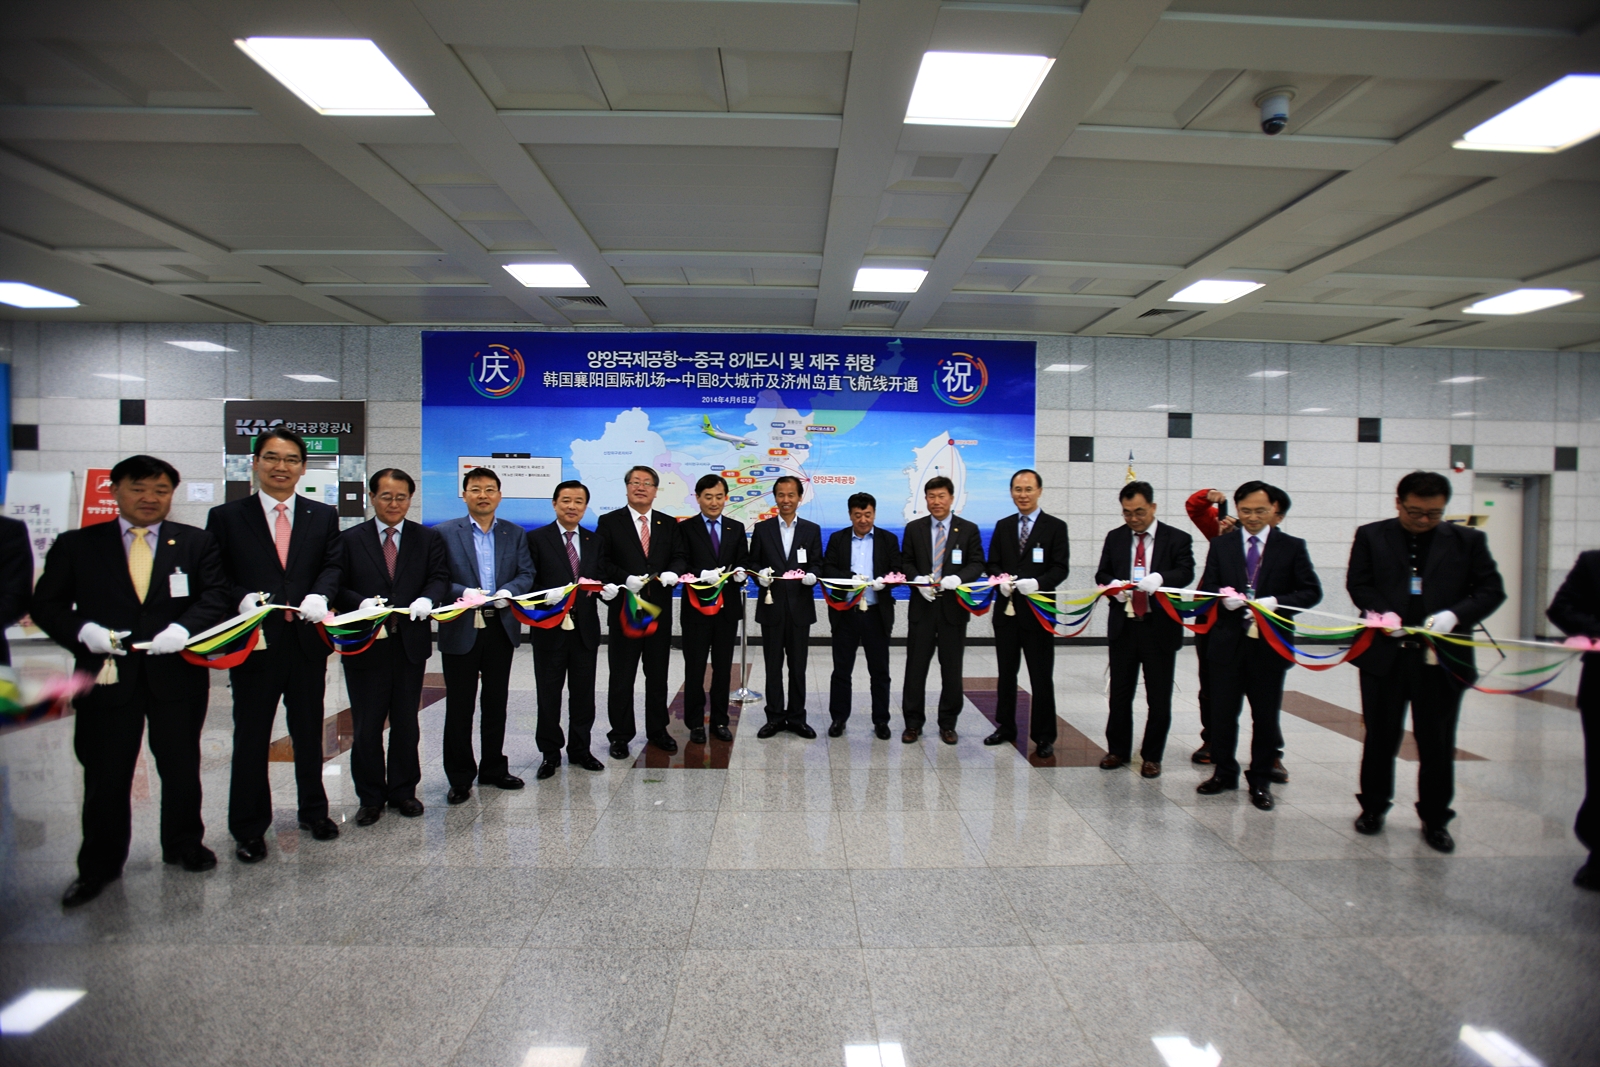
{"x": 1274, "y": 104}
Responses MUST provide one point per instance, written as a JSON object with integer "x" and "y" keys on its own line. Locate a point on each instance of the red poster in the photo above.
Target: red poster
{"x": 99, "y": 505}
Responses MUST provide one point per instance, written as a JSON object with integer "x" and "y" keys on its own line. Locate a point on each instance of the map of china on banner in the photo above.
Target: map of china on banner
{"x": 842, "y": 413}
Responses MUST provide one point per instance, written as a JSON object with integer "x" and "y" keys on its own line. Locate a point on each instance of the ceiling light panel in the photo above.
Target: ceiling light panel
{"x": 1215, "y": 291}
{"x": 202, "y": 346}
{"x": 336, "y": 76}
{"x": 889, "y": 279}
{"x": 23, "y": 295}
{"x": 1553, "y": 119}
{"x": 1522, "y": 301}
{"x": 1066, "y": 368}
{"x": 975, "y": 89}
{"x": 547, "y": 275}
{"x": 311, "y": 377}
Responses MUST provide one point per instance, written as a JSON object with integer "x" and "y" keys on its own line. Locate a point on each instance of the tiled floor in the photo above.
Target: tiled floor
{"x": 837, "y": 903}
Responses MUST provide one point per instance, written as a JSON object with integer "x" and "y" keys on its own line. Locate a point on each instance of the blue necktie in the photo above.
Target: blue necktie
{"x": 1252, "y": 562}
{"x": 716, "y": 538}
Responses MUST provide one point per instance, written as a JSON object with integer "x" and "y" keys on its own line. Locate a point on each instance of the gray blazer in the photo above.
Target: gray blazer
{"x": 513, "y": 572}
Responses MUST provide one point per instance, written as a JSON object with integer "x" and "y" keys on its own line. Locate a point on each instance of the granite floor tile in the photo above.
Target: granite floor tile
{"x": 1158, "y": 835}
{"x": 751, "y": 909}
{"x": 907, "y": 787}
{"x": 673, "y": 789}
{"x": 1230, "y": 901}
{"x": 934, "y": 909}
{"x": 794, "y": 840}
{"x": 1074, "y": 905}
{"x": 908, "y": 839}
{"x": 464, "y": 906}
{"x": 628, "y": 838}
{"x": 1046, "y": 835}
{"x": 619, "y": 908}
{"x": 808, "y": 789}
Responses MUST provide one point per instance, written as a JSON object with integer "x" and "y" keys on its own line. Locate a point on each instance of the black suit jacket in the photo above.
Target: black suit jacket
{"x": 795, "y": 599}
{"x": 1285, "y": 573}
{"x": 1459, "y": 576}
{"x": 885, "y": 560}
{"x": 624, "y": 556}
{"x": 698, "y": 556}
{"x": 552, "y": 569}
{"x": 16, "y": 578}
{"x": 916, "y": 548}
{"x": 86, "y": 579}
{"x": 1576, "y": 610}
{"x": 1171, "y": 556}
{"x": 250, "y": 561}
{"x": 1006, "y": 556}
{"x": 421, "y": 568}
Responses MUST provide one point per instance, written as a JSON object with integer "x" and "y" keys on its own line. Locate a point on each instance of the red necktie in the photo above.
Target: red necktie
{"x": 1141, "y": 600}
{"x": 572, "y": 554}
{"x": 389, "y": 551}
{"x": 644, "y": 535}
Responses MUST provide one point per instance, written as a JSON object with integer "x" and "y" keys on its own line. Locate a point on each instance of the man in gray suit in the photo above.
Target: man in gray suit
{"x": 485, "y": 553}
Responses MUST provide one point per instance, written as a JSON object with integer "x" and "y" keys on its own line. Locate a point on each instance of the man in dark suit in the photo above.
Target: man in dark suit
{"x": 1441, "y": 578}
{"x": 1032, "y": 548}
{"x": 643, "y": 550}
{"x": 711, "y": 540}
{"x": 1576, "y": 609}
{"x": 106, "y": 588}
{"x": 564, "y": 656}
{"x": 485, "y": 553}
{"x": 785, "y": 610}
{"x": 865, "y": 553}
{"x": 946, "y": 551}
{"x": 1140, "y": 634}
{"x": 391, "y": 561}
{"x": 1266, "y": 565}
{"x": 16, "y": 578}
{"x": 279, "y": 548}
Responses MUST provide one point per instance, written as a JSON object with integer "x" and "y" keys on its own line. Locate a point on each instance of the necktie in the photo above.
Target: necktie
{"x": 572, "y": 553}
{"x": 280, "y": 535}
{"x": 716, "y": 538}
{"x": 1024, "y": 530}
{"x": 1252, "y": 562}
{"x": 1141, "y": 599}
{"x": 139, "y": 562}
{"x": 644, "y": 535}
{"x": 390, "y": 551}
{"x": 938, "y": 551}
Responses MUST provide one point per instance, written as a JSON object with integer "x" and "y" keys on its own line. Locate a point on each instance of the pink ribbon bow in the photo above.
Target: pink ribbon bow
{"x": 1387, "y": 621}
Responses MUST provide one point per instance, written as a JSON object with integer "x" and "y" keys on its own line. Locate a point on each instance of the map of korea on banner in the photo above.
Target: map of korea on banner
{"x": 843, "y": 413}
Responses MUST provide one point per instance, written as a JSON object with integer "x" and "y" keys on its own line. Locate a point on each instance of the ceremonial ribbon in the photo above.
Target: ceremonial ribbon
{"x": 48, "y": 701}
{"x": 706, "y": 597}
{"x": 638, "y": 617}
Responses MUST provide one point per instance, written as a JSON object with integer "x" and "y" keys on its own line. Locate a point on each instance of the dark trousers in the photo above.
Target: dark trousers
{"x": 1017, "y": 637}
{"x": 925, "y": 636}
{"x": 284, "y": 670}
{"x": 1588, "y": 824}
{"x": 783, "y": 637}
{"x": 107, "y": 735}
{"x": 623, "y": 656}
{"x": 490, "y": 659}
{"x": 1203, "y": 695}
{"x": 1148, "y": 646}
{"x": 859, "y": 629}
{"x": 1254, "y": 672}
{"x": 560, "y": 659}
{"x": 708, "y": 637}
{"x": 1435, "y": 700}
{"x": 384, "y": 685}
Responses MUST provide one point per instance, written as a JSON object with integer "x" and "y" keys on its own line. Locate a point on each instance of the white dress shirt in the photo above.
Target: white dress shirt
{"x": 786, "y": 532}
{"x": 268, "y": 504}
{"x": 378, "y": 523}
{"x": 635, "y": 516}
{"x": 1149, "y": 548}
{"x": 151, "y": 538}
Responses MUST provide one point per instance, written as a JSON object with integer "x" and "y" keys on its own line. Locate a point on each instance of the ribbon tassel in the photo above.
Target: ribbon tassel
{"x": 108, "y": 673}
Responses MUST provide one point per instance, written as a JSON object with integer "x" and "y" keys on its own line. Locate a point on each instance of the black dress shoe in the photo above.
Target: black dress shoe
{"x": 368, "y": 814}
{"x": 697, "y": 736}
{"x": 323, "y": 829}
{"x": 881, "y": 731}
{"x": 722, "y": 733}
{"x": 410, "y": 807}
{"x": 459, "y": 796}
{"x": 836, "y": 729}
{"x": 251, "y": 851}
{"x": 547, "y": 769}
{"x": 1201, "y": 755}
{"x": 619, "y": 750}
{"x": 504, "y": 781}
{"x": 587, "y": 761}
{"x": 1279, "y": 773}
{"x": 83, "y": 890}
{"x": 1111, "y": 761}
{"x": 194, "y": 858}
{"x": 948, "y": 736}
{"x": 665, "y": 744}
{"x": 1588, "y": 876}
{"x": 1438, "y": 838}
{"x": 804, "y": 730}
{"x": 1369, "y": 823}
{"x": 1262, "y": 798}
{"x": 1044, "y": 751}
{"x": 910, "y": 737}
{"x": 998, "y": 738}
{"x": 769, "y": 729}
{"x": 1214, "y": 785}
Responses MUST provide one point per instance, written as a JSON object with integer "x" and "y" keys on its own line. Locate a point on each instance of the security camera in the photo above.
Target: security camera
{"x": 1274, "y": 104}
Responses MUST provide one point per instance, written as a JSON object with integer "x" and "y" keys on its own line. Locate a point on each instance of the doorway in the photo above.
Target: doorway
{"x": 1511, "y": 507}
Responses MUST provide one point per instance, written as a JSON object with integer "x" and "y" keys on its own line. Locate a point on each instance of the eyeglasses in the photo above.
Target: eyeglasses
{"x": 641, "y": 483}
{"x": 1255, "y": 513}
{"x": 1418, "y": 514}
{"x": 393, "y": 498}
{"x": 274, "y": 459}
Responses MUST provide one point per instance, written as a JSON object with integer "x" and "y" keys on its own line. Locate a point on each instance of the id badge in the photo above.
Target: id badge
{"x": 1138, "y": 574}
{"x": 955, "y": 556}
{"x": 1416, "y": 585}
{"x": 177, "y": 584}
{"x": 800, "y": 555}
{"x": 1038, "y": 553}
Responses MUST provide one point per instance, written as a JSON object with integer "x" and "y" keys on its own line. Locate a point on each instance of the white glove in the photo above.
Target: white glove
{"x": 371, "y": 602}
{"x": 314, "y": 608}
{"x": 764, "y": 576}
{"x": 670, "y": 578}
{"x": 862, "y": 578}
{"x": 949, "y": 582}
{"x": 98, "y": 639}
{"x": 1233, "y": 603}
{"x": 1007, "y": 587}
{"x": 421, "y": 608}
{"x": 926, "y": 591}
{"x": 877, "y": 585}
{"x": 1267, "y": 603}
{"x": 809, "y": 579}
{"x": 740, "y": 576}
{"x": 1442, "y": 622}
{"x": 609, "y": 591}
{"x": 634, "y": 583}
{"x": 500, "y": 597}
{"x": 170, "y": 640}
{"x": 1027, "y": 585}
{"x": 709, "y": 575}
{"x": 1149, "y": 583}
{"x": 250, "y": 601}
{"x": 1122, "y": 596}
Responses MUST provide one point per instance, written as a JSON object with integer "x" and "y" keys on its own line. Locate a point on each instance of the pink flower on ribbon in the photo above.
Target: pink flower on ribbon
{"x": 1582, "y": 643}
{"x": 1229, "y": 590}
{"x": 1387, "y": 621}
{"x": 472, "y": 598}
{"x": 797, "y": 573}
{"x": 895, "y": 577}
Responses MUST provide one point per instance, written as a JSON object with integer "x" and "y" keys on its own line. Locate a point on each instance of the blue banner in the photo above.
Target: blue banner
{"x": 843, "y": 413}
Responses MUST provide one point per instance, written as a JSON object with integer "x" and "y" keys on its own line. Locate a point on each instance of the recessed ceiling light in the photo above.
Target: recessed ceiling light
{"x": 311, "y": 377}
{"x": 1215, "y": 291}
{"x": 1268, "y": 374}
{"x": 121, "y": 377}
{"x": 35, "y": 1008}
{"x": 23, "y": 295}
{"x": 1555, "y": 118}
{"x": 336, "y": 76}
{"x": 202, "y": 346}
{"x": 1522, "y": 301}
{"x": 889, "y": 279}
{"x": 974, "y": 88}
{"x": 1461, "y": 414}
{"x": 1461, "y": 379}
{"x": 1066, "y": 368}
{"x": 1314, "y": 411}
{"x": 547, "y": 275}
{"x": 1159, "y": 407}
{"x": 1497, "y": 1049}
